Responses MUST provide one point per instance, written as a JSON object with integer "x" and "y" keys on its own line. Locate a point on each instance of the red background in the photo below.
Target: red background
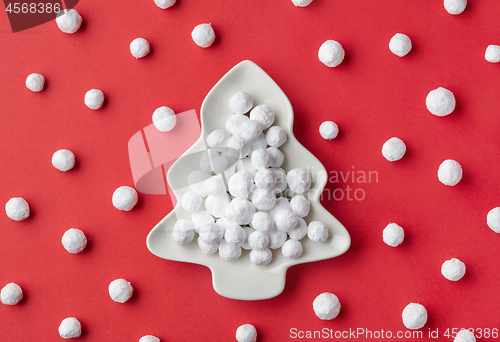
{"x": 373, "y": 95}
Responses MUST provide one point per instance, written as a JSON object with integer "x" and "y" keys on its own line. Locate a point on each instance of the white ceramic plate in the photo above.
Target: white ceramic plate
{"x": 241, "y": 279}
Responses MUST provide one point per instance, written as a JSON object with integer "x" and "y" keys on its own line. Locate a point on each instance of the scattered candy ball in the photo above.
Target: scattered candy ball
{"x": 74, "y": 240}
{"x": 414, "y": 316}
{"x": 317, "y": 231}
{"x": 63, "y": 160}
{"x": 453, "y": 269}
{"x": 139, "y": 47}
{"x": 68, "y": 20}
{"x": 240, "y": 103}
{"x": 493, "y": 219}
{"x": 328, "y": 130}
{"x": 326, "y": 306}
{"x": 120, "y": 290}
{"x": 492, "y": 54}
{"x": 164, "y": 119}
{"x": 263, "y": 114}
{"x": 125, "y": 198}
{"x": 11, "y": 294}
{"x": 440, "y": 102}
{"x": 465, "y": 336}
{"x": 331, "y": 53}
{"x": 94, "y": 98}
{"x": 183, "y": 232}
{"x": 393, "y": 235}
{"x": 400, "y": 44}
{"x": 301, "y": 3}
{"x": 455, "y": 6}
{"x": 17, "y": 209}
{"x": 450, "y": 172}
{"x": 292, "y": 249}
{"x": 246, "y": 333}
{"x": 393, "y": 149}
{"x": 164, "y": 4}
{"x": 35, "y": 82}
{"x": 203, "y": 35}
{"x": 70, "y": 328}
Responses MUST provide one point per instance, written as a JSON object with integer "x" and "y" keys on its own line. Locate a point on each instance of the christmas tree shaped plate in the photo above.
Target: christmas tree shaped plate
{"x": 240, "y": 279}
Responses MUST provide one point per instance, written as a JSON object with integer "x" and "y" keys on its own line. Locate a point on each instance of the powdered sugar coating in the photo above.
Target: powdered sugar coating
{"x": 17, "y": 209}
{"x": 299, "y": 231}
{"x": 276, "y": 238}
{"x": 292, "y": 249}
{"x": 120, "y": 290}
{"x": 164, "y": 119}
{"x": 163, "y": 4}
{"x": 235, "y": 235}
{"x": 258, "y": 240}
{"x": 400, "y": 44}
{"x": 393, "y": 235}
{"x": 440, "y": 102}
{"x": 207, "y": 248}
{"x": 264, "y": 114}
{"x": 240, "y": 184}
{"x": 74, "y": 240}
{"x": 211, "y": 233}
{"x": 240, "y": 211}
{"x": 492, "y": 54}
{"x": 94, "y": 99}
{"x": 264, "y": 179}
{"x": 455, "y": 6}
{"x": 263, "y": 199}
{"x": 183, "y": 232}
{"x": 261, "y": 257}
{"x": 414, "y": 316}
{"x": 300, "y": 205}
{"x": 465, "y": 335}
{"x": 331, "y": 53}
{"x": 218, "y": 139}
{"x": 70, "y": 327}
{"x": 240, "y": 103}
{"x": 191, "y": 201}
{"x": 216, "y": 205}
{"x": 493, "y": 219}
{"x": 246, "y": 333}
{"x": 299, "y": 180}
{"x": 326, "y": 306}
{"x": 276, "y": 136}
{"x": 68, "y": 20}
{"x": 450, "y": 172}
{"x": 285, "y": 220}
{"x": 11, "y": 294}
{"x": 229, "y": 251}
{"x": 453, "y": 269}
{"x": 139, "y": 48}
{"x": 35, "y": 82}
{"x": 262, "y": 221}
{"x": 393, "y": 149}
{"x": 251, "y": 129}
{"x": 261, "y": 159}
{"x": 203, "y": 35}
{"x": 125, "y": 198}
{"x": 63, "y": 160}
{"x": 328, "y": 130}
{"x": 317, "y": 231}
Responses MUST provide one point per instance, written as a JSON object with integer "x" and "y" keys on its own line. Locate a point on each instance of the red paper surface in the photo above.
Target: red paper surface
{"x": 373, "y": 95}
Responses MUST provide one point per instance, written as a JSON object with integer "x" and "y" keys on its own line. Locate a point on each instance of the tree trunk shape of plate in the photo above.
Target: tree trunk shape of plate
{"x": 240, "y": 279}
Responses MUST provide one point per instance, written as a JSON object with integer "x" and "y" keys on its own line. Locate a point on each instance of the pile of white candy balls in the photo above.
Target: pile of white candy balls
{"x": 249, "y": 213}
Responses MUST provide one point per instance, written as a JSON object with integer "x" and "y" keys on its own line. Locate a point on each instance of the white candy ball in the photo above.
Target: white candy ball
{"x": 125, "y": 198}
{"x": 264, "y": 179}
{"x": 276, "y": 238}
{"x": 258, "y": 240}
{"x": 240, "y": 211}
{"x": 440, "y": 102}
{"x": 281, "y": 182}
{"x": 450, "y": 172}
{"x": 211, "y": 233}
{"x": 262, "y": 221}
{"x": 261, "y": 257}
{"x": 317, "y": 231}
{"x": 235, "y": 122}
{"x": 246, "y": 333}
{"x": 258, "y": 143}
{"x": 74, "y": 240}
{"x": 149, "y": 338}
{"x": 292, "y": 249}
{"x": 277, "y": 156}
{"x": 263, "y": 114}
{"x": 299, "y": 231}
{"x": 393, "y": 149}
{"x": 11, "y": 294}
{"x": 216, "y": 205}
{"x": 228, "y": 251}
{"x": 240, "y": 103}
{"x": 301, "y": 3}
{"x": 239, "y": 144}
{"x": 455, "y": 6}
{"x": 331, "y": 53}
{"x": 235, "y": 235}
{"x": 218, "y": 139}
{"x": 492, "y": 53}
{"x": 263, "y": 199}
{"x": 191, "y": 201}
{"x": 70, "y": 328}
{"x": 400, "y": 44}
{"x": 300, "y": 205}
{"x": 164, "y": 119}
{"x": 299, "y": 180}
{"x": 328, "y": 130}
{"x": 493, "y": 219}
{"x": 94, "y": 98}
{"x": 414, "y": 316}
{"x": 276, "y": 136}
{"x": 35, "y": 82}
{"x": 240, "y": 184}
{"x": 17, "y": 209}
{"x": 139, "y": 47}
{"x": 201, "y": 218}
{"x": 326, "y": 306}
{"x": 393, "y": 235}
{"x": 465, "y": 336}
{"x": 261, "y": 159}
{"x": 63, "y": 160}
{"x": 163, "y": 4}
{"x": 215, "y": 185}
{"x": 183, "y": 232}
{"x": 206, "y": 247}
{"x": 203, "y": 35}
{"x": 120, "y": 290}
{"x": 197, "y": 181}
{"x": 285, "y": 220}
{"x": 245, "y": 244}
{"x": 281, "y": 203}
{"x": 251, "y": 129}
{"x": 453, "y": 269}
{"x": 68, "y": 21}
